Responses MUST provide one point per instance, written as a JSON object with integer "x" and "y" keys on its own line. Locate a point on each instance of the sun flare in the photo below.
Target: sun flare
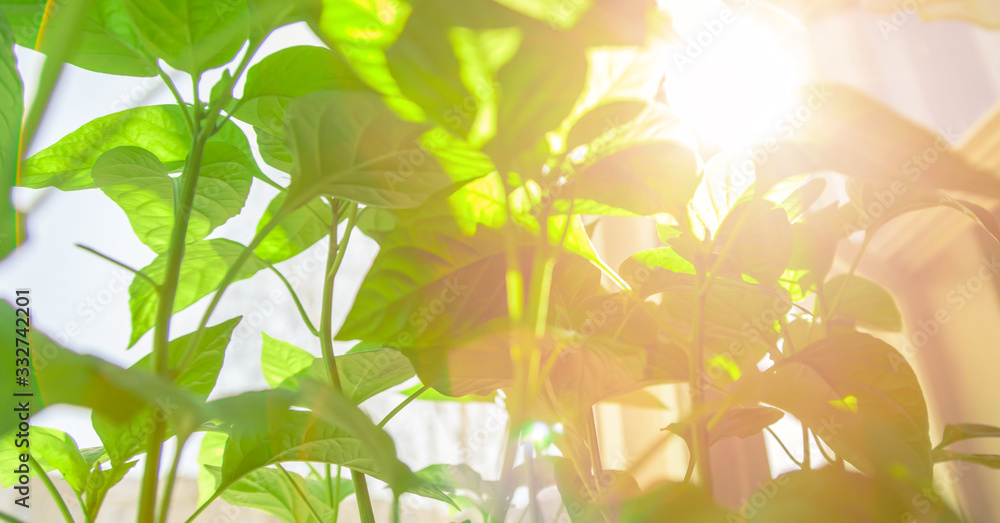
{"x": 734, "y": 69}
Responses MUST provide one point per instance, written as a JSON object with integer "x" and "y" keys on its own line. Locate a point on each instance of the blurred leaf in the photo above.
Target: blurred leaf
{"x": 11, "y": 99}
{"x": 964, "y": 431}
{"x": 676, "y": 501}
{"x": 843, "y": 121}
{"x": 123, "y": 441}
{"x": 865, "y": 301}
{"x": 53, "y": 449}
{"x": 191, "y": 35}
{"x": 160, "y": 129}
{"x": 829, "y": 495}
{"x": 649, "y": 270}
{"x": 296, "y": 232}
{"x": 205, "y": 263}
{"x": 602, "y": 121}
{"x": 136, "y": 180}
{"x": 614, "y": 486}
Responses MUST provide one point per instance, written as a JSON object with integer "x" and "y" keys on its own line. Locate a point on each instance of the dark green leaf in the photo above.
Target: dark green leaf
{"x": 673, "y": 502}
{"x": 615, "y": 486}
{"x": 829, "y": 495}
{"x": 737, "y": 422}
{"x": 761, "y": 240}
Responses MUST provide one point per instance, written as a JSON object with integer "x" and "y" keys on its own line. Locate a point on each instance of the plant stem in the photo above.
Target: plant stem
{"x": 164, "y": 311}
{"x": 171, "y": 479}
{"x": 819, "y": 445}
{"x": 137, "y": 272}
{"x": 295, "y": 298}
{"x": 783, "y": 447}
{"x": 299, "y": 492}
{"x": 47, "y": 481}
{"x": 334, "y": 258}
{"x": 335, "y": 493}
{"x": 403, "y": 404}
{"x": 699, "y": 434}
{"x": 806, "y": 449}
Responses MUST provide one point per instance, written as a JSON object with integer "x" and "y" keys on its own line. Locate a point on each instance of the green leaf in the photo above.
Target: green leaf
{"x": 649, "y": 270}
{"x": 100, "y": 481}
{"x": 290, "y": 73}
{"x": 11, "y": 99}
{"x": 602, "y": 121}
{"x": 860, "y": 396}
{"x": 122, "y": 441}
{"x": 210, "y": 455}
{"x": 107, "y": 44}
{"x": 361, "y": 31}
{"x": 138, "y": 182}
{"x": 445, "y": 60}
{"x": 864, "y": 301}
{"x": 843, "y": 121}
{"x": 648, "y": 166}
{"x": 270, "y": 490}
{"x": 264, "y": 431}
{"x": 296, "y": 232}
{"x": 363, "y": 374}
{"x": 205, "y": 263}
{"x": 433, "y": 395}
{"x": 528, "y": 109}
{"x": 964, "y": 431}
{"x": 349, "y": 145}
{"x": 53, "y": 449}
{"x": 191, "y": 35}
{"x": 201, "y": 372}
{"x": 160, "y": 129}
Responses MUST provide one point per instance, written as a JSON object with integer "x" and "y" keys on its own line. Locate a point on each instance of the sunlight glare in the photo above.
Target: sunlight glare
{"x": 733, "y": 74}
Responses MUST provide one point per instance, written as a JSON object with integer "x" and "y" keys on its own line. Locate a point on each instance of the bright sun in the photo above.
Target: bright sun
{"x": 733, "y": 74}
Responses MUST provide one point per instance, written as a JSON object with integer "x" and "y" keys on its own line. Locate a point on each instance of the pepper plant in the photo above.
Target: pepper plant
{"x": 475, "y": 142}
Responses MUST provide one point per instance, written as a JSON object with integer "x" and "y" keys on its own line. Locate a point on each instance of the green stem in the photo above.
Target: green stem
{"x": 137, "y": 272}
{"x": 299, "y": 492}
{"x": 335, "y": 494}
{"x": 699, "y": 433}
{"x": 847, "y": 279}
{"x": 177, "y": 97}
{"x": 9, "y": 518}
{"x": 819, "y": 445}
{"x": 806, "y": 449}
{"x": 295, "y": 297}
{"x": 335, "y": 256}
{"x": 171, "y": 480}
{"x": 164, "y": 311}
{"x": 403, "y": 404}
{"x": 60, "y": 503}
